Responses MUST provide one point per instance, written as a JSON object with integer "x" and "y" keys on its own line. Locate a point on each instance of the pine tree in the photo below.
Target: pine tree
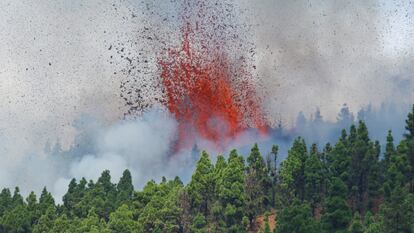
{"x": 292, "y": 173}
{"x": 74, "y": 196}
{"x": 185, "y": 213}
{"x": 201, "y": 186}
{"x": 297, "y": 217}
{"x": 374, "y": 176}
{"x": 162, "y": 213}
{"x": 410, "y": 147}
{"x": 256, "y": 178}
{"x": 33, "y": 207}
{"x": 5, "y": 201}
{"x": 231, "y": 192}
{"x": 69, "y": 199}
{"x": 397, "y": 171}
{"x": 256, "y": 163}
{"x": 17, "y": 199}
{"x": 218, "y": 172}
{"x": 125, "y": 188}
{"x": 337, "y": 214}
{"x": 273, "y": 174}
{"x": 389, "y": 149}
{"x": 46, "y": 201}
{"x": 314, "y": 173}
{"x": 105, "y": 181}
{"x": 397, "y": 213}
{"x": 339, "y": 160}
{"x": 16, "y": 220}
{"x": 352, "y": 136}
{"x": 103, "y": 196}
{"x": 389, "y": 166}
{"x": 410, "y": 125}
{"x": 364, "y": 169}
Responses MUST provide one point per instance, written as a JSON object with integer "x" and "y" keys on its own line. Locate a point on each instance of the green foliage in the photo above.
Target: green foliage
{"x": 410, "y": 148}
{"x": 292, "y": 173}
{"x": 255, "y": 183}
{"x": 314, "y": 173}
{"x": 310, "y": 191}
{"x": 63, "y": 225}
{"x": 17, "y": 199}
{"x": 389, "y": 148}
{"x": 125, "y": 188}
{"x": 339, "y": 160}
{"x": 46, "y": 221}
{"x": 410, "y": 125}
{"x": 364, "y": 169}
{"x": 297, "y": 218}
{"x": 201, "y": 186}
{"x": 356, "y": 224}
{"x": 92, "y": 223}
{"x": 231, "y": 194}
{"x": 5, "y": 201}
{"x": 121, "y": 220}
{"x": 157, "y": 207}
{"x": 397, "y": 214}
{"x": 16, "y": 220}
{"x": 199, "y": 224}
{"x": 46, "y": 202}
{"x": 337, "y": 214}
{"x": 374, "y": 228}
{"x": 73, "y": 197}
{"x": 272, "y": 167}
{"x": 266, "y": 226}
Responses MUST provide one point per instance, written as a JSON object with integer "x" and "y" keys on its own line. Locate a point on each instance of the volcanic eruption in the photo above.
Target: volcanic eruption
{"x": 207, "y": 78}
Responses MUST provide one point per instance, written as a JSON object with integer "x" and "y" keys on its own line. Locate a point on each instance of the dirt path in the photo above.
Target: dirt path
{"x": 260, "y": 223}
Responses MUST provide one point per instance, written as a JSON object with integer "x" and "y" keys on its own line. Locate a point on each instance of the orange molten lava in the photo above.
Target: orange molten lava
{"x": 202, "y": 97}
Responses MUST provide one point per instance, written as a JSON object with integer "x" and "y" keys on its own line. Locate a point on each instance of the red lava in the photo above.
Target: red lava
{"x": 201, "y": 94}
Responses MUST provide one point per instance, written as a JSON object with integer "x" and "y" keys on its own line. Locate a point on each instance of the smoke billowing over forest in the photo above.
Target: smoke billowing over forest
{"x": 80, "y": 87}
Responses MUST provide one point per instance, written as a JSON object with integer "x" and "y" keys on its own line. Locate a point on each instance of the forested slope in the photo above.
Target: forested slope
{"x": 350, "y": 186}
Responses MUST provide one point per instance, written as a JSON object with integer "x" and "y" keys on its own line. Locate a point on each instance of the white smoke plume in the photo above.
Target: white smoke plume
{"x": 56, "y": 68}
{"x": 143, "y": 146}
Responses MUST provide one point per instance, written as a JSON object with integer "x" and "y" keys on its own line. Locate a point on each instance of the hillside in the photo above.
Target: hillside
{"x": 350, "y": 186}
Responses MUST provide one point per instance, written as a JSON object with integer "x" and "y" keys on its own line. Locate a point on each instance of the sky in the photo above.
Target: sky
{"x": 56, "y": 68}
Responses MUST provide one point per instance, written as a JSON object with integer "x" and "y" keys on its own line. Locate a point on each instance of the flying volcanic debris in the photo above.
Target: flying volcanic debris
{"x": 207, "y": 79}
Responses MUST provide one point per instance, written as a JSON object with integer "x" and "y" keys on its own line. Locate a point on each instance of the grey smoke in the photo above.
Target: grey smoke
{"x": 143, "y": 146}
{"x": 55, "y": 70}
{"x": 326, "y": 53}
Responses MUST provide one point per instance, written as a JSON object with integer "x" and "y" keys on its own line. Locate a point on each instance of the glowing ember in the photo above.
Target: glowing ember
{"x": 203, "y": 74}
{"x": 201, "y": 92}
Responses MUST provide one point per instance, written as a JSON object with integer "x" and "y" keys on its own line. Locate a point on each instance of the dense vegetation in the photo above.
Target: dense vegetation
{"x": 347, "y": 187}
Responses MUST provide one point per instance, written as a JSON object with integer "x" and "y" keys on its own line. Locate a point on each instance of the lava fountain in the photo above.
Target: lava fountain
{"x": 208, "y": 92}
